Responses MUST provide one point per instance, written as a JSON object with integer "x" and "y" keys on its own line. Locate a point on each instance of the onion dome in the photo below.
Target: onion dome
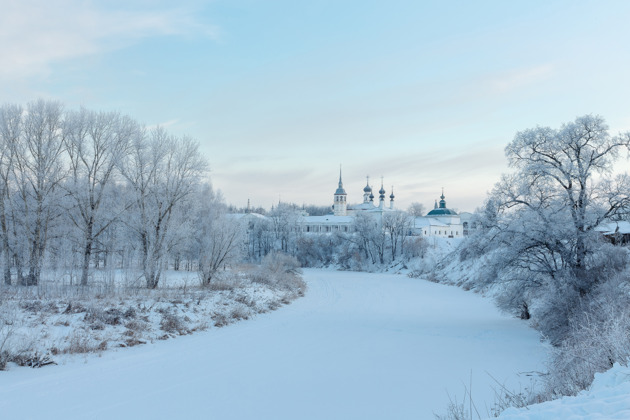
{"x": 367, "y": 188}
{"x": 442, "y": 210}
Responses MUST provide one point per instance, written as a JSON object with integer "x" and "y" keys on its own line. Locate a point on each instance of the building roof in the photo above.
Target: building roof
{"x": 610, "y": 228}
{"x": 327, "y": 219}
{"x": 421, "y": 222}
{"x": 442, "y": 210}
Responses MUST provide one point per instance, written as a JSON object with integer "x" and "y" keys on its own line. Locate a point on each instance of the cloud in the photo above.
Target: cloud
{"x": 522, "y": 77}
{"x": 34, "y": 33}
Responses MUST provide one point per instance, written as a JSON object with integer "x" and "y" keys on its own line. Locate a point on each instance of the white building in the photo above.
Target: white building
{"x": 440, "y": 222}
{"x": 343, "y": 214}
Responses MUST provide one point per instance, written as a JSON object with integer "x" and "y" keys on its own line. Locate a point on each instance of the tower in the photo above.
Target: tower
{"x": 340, "y": 206}
{"x": 442, "y": 201}
{"x": 391, "y": 199}
{"x": 381, "y": 195}
{"x": 367, "y": 191}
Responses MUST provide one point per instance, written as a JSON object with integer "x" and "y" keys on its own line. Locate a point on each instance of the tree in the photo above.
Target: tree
{"x": 95, "y": 144}
{"x": 416, "y": 209}
{"x": 38, "y": 171}
{"x": 219, "y": 237}
{"x": 10, "y": 133}
{"x": 397, "y": 225}
{"x": 370, "y": 237}
{"x": 162, "y": 172}
{"x": 556, "y": 169}
{"x": 537, "y": 232}
{"x": 284, "y": 218}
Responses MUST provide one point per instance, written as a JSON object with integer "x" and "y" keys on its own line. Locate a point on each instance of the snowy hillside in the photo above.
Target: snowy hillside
{"x": 608, "y": 398}
{"x": 357, "y": 346}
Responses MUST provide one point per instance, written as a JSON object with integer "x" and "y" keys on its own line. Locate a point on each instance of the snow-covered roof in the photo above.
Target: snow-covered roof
{"x": 328, "y": 219}
{"x": 610, "y": 228}
{"x": 362, "y": 206}
{"x": 429, "y": 221}
{"x": 240, "y": 216}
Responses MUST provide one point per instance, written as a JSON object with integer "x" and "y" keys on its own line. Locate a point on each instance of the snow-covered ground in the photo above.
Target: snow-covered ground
{"x": 608, "y": 398}
{"x": 358, "y": 346}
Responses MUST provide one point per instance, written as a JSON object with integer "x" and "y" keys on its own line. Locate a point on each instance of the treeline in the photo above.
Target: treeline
{"x": 542, "y": 254}
{"x": 372, "y": 241}
{"x": 81, "y": 189}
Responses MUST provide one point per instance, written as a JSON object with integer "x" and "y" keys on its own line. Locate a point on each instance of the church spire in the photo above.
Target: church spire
{"x": 442, "y": 201}
{"x": 391, "y": 199}
{"x": 381, "y": 194}
{"x": 340, "y": 205}
{"x": 340, "y": 183}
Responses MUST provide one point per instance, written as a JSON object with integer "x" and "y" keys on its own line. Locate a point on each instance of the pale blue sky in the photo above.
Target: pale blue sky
{"x": 279, "y": 93}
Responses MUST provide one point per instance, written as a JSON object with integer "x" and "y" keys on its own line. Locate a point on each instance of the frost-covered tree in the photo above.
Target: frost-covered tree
{"x": 397, "y": 225}
{"x": 38, "y": 170}
{"x": 95, "y": 143}
{"x": 416, "y": 209}
{"x": 162, "y": 172}
{"x": 218, "y": 237}
{"x": 538, "y": 226}
{"x": 284, "y": 218}
{"x": 556, "y": 186}
{"x": 10, "y": 132}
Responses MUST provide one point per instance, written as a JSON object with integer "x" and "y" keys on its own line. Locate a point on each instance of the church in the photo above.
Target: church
{"x": 440, "y": 222}
{"x": 343, "y": 214}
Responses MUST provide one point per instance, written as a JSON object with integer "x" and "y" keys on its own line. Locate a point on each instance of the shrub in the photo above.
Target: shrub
{"x": 173, "y": 323}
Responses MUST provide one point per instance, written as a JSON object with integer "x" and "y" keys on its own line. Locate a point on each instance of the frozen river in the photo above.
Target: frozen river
{"x": 358, "y": 346}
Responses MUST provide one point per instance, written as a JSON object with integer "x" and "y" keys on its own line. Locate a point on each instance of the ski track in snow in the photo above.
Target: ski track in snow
{"x": 358, "y": 346}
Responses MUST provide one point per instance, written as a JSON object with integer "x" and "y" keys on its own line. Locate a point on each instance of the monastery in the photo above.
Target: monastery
{"x": 439, "y": 222}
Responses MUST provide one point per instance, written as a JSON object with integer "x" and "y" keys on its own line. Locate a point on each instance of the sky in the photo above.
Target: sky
{"x": 279, "y": 94}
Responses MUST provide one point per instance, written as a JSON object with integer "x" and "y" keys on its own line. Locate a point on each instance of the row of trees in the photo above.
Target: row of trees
{"x": 76, "y": 182}
{"x": 373, "y": 239}
{"x": 82, "y": 190}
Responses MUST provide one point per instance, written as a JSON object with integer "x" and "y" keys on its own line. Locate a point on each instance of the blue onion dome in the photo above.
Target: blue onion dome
{"x": 382, "y": 191}
{"x": 391, "y": 195}
{"x": 367, "y": 189}
{"x": 371, "y": 196}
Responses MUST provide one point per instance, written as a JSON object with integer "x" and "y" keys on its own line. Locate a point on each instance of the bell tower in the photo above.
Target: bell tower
{"x": 340, "y": 206}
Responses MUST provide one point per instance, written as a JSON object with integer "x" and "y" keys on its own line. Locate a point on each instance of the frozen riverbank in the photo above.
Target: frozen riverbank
{"x": 358, "y": 346}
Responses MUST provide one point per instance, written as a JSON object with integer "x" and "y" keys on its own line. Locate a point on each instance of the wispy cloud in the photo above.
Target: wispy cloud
{"x": 522, "y": 77}
{"x": 36, "y": 33}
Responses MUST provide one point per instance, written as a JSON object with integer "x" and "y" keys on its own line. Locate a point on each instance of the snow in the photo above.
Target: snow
{"x": 610, "y": 228}
{"x": 358, "y": 346}
{"x": 608, "y": 398}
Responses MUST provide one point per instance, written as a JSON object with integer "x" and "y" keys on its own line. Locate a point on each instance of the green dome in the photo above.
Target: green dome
{"x": 442, "y": 212}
